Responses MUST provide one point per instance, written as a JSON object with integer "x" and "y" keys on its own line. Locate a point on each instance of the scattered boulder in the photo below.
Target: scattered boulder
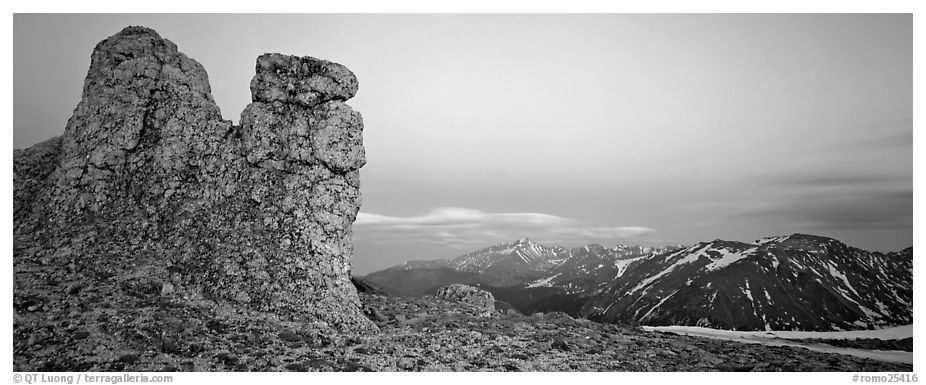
{"x": 289, "y": 336}
{"x": 480, "y": 299}
{"x": 75, "y": 287}
{"x": 560, "y": 344}
{"x": 406, "y": 363}
{"x": 374, "y": 314}
{"x": 129, "y": 358}
{"x": 167, "y": 289}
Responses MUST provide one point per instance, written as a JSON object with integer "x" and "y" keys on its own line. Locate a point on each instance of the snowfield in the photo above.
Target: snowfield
{"x": 895, "y": 333}
{"x": 787, "y": 338}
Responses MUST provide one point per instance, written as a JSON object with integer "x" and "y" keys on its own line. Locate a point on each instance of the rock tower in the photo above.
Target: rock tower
{"x": 148, "y": 184}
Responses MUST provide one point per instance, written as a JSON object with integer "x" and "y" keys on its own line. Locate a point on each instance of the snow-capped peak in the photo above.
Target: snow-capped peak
{"x": 772, "y": 239}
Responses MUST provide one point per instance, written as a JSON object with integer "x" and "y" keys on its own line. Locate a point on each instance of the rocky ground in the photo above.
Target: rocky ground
{"x": 905, "y": 344}
{"x": 131, "y": 324}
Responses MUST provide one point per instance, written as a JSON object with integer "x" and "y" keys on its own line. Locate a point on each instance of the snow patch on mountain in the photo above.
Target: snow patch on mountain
{"x": 692, "y": 257}
{"x": 622, "y": 264}
{"x": 843, "y": 278}
{"x": 768, "y": 240}
{"x": 648, "y": 313}
{"x": 727, "y": 257}
{"x": 543, "y": 282}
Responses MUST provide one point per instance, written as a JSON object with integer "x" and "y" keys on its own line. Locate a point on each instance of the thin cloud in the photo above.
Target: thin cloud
{"x": 444, "y": 216}
{"x": 464, "y": 228}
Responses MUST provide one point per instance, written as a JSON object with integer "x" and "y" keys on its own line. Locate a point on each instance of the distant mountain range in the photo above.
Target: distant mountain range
{"x": 505, "y": 264}
{"x": 796, "y": 282}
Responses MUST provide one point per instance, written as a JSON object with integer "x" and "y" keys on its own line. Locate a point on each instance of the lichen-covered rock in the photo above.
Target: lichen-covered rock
{"x": 149, "y": 181}
{"x": 481, "y": 299}
{"x": 31, "y": 166}
{"x": 304, "y": 81}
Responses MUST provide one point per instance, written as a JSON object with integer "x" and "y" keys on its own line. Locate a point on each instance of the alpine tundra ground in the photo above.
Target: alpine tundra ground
{"x": 141, "y": 330}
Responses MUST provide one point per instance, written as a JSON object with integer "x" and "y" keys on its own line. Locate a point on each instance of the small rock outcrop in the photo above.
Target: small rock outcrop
{"x": 149, "y": 183}
{"x": 481, "y": 299}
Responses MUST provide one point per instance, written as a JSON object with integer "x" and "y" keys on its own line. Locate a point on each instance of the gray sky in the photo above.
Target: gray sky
{"x": 645, "y": 129}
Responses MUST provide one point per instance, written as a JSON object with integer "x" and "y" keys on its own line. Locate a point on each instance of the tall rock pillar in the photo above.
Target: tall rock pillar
{"x": 149, "y": 184}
